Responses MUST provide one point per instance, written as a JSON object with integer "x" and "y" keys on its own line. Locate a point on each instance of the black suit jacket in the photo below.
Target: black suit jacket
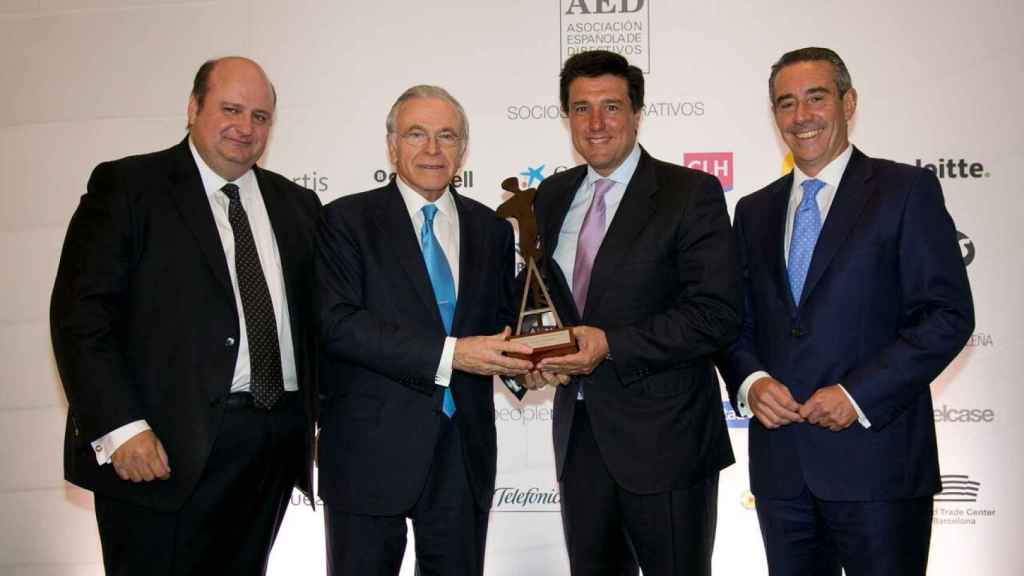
{"x": 664, "y": 289}
{"x": 143, "y": 317}
{"x": 382, "y": 337}
{"x": 886, "y": 306}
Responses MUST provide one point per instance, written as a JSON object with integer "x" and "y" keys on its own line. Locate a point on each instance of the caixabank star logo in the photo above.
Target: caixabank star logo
{"x": 620, "y": 26}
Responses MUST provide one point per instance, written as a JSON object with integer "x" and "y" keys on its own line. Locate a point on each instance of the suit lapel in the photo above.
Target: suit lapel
{"x": 778, "y": 204}
{"x": 631, "y": 217}
{"x": 395, "y": 225}
{"x": 847, "y": 205}
{"x": 188, "y": 194}
{"x": 471, "y": 255}
{"x": 289, "y": 247}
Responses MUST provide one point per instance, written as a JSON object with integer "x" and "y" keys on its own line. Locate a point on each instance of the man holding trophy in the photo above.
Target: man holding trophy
{"x": 639, "y": 259}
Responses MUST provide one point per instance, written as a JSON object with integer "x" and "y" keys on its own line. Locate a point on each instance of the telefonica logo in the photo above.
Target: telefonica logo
{"x": 526, "y": 499}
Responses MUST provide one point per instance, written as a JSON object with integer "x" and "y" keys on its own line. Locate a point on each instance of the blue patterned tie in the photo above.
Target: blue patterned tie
{"x": 444, "y": 285}
{"x": 806, "y": 227}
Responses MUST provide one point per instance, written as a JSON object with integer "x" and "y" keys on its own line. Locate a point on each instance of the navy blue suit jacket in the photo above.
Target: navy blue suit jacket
{"x": 382, "y": 338}
{"x": 886, "y": 306}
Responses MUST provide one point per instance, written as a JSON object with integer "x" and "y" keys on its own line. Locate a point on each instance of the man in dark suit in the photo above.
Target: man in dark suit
{"x": 409, "y": 277}
{"x": 642, "y": 262}
{"x": 181, "y": 326}
{"x": 857, "y": 298}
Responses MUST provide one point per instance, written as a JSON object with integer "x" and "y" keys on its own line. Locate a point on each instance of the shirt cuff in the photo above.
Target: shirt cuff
{"x": 443, "y": 377}
{"x": 741, "y": 395}
{"x": 107, "y": 445}
{"x": 860, "y": 413}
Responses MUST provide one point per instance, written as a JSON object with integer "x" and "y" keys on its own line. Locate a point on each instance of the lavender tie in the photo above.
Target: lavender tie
{"x": 591, "y": 234}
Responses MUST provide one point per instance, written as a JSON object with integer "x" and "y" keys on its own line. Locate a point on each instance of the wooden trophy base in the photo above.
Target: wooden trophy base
{"x": 546, "y": 344}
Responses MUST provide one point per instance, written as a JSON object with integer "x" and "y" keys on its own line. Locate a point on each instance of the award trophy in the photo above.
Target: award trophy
{"x": 538, "y": 325}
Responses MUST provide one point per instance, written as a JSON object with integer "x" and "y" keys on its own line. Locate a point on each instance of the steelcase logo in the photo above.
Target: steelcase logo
{"x": 620, "y": 26}
{"x": 950, "y": 415}
{"x": 718, "y": 164}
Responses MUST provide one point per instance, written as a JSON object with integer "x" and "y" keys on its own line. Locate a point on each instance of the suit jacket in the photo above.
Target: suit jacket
{"x": 382, "y": 337}
{"x": 144, "y": 321}
{"x": 886, "y": 306}
{"x": 664, "y": 288}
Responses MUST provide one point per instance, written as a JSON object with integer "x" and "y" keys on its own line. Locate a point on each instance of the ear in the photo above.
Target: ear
{"x": 849, "y": 103}
{"x": 392, "y": 141}
{"x": 193, "y": 110}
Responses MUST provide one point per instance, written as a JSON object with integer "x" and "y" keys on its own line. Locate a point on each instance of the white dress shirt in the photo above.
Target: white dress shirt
{"x": 569, "y": 235}
{"x": 446, "y": 230}
{"x": 270, "y": 261}
{"x": 831, "y": 175}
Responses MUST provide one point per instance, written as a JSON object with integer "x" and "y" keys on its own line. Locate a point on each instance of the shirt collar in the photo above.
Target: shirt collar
{"x": 622, "y": 174}
{"x": 831, "y": 174}
{"x": 414, "y": 202}
{"x": 213, "y": 182}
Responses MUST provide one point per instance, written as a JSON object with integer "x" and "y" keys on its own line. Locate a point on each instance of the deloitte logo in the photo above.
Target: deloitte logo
{"x": 955, "y": 168}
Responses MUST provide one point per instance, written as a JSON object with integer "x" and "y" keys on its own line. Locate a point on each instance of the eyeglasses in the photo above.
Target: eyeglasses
{"x": 418, "y": 138}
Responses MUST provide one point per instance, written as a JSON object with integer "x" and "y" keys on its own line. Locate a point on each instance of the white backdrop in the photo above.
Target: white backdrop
{"x": 89, "y": 80}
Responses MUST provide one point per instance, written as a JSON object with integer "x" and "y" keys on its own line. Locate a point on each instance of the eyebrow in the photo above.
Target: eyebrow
{"x": 813, "y": 90}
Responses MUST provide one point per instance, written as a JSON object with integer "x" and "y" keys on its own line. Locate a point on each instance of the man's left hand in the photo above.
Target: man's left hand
{"x": 593, "y": 350}
{"x": 830, "y": 408}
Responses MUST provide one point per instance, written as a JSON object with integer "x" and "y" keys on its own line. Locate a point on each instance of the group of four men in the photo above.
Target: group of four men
{"x": 200, "y": 300}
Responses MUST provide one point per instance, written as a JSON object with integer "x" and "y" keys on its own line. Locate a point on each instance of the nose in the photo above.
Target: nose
{"x": 596, "y": 120}
{"x": 244, "y": 125}
{"x": 433, "y": 146}
{"x": 802, "y": 112}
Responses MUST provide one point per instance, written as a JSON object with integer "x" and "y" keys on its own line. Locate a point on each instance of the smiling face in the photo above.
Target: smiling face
{"x": 427, "y": 145}
{"x": 811, "y": 115}
{"x": 230, "y": 129}
{"x": 602, "y": 121}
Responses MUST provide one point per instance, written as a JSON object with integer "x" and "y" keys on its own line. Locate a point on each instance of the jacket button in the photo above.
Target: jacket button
{"x": 230, "y": 342}
{"x": 796, "y": 332}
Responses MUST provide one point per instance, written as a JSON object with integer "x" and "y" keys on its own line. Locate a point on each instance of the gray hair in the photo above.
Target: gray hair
{"x": 428, "y": 92}
{"x": 840, "y": 74}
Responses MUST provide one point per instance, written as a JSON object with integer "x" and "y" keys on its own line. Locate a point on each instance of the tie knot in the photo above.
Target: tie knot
{"x": 602, "y": 186}
{"x": 811, "y": 187}
{"x": 230, "y": 190}
{"x": 429, "y": 211}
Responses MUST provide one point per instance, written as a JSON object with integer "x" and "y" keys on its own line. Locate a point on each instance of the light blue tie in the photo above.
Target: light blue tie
{"x": 444, "y": 285}
{"x": 806, "y": 227}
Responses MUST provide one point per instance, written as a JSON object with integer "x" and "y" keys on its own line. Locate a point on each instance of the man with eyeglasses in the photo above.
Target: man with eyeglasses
{"x": 415, "y": 302}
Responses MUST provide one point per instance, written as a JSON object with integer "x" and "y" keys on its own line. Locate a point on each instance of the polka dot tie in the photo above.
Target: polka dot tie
{"x": 265, "y": 381}
{"x": 443, "y": 283}
{"x": 806, "y": 227}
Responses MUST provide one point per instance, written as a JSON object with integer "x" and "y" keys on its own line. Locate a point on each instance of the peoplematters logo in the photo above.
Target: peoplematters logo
{"x": 620, "y": 26}
{"x": 718, "y": 164}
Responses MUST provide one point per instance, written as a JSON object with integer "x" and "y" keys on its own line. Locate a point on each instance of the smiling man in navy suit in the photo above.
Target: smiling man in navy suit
{"x": 856, "y": 299}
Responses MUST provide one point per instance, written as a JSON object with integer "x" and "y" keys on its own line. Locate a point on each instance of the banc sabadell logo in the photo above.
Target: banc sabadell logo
{"x": 966, "y": 247}
{"x": 718, "y": 164}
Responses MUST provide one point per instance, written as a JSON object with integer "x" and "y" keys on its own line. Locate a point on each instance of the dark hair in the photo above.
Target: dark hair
{"x": 596, "y": 63}
{"x": 840, "y": 74}
{"x": 201, "y": 83}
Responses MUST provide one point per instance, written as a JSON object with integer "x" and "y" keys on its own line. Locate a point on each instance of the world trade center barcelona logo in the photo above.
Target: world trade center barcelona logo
{"x": 620, "y": 26}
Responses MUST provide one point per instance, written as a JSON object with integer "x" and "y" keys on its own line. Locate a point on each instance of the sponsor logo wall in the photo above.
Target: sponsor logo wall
{"x": 343, "y": 64}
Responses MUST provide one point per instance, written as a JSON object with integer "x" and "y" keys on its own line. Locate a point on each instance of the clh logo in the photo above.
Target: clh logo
{"x": 718, "y": 164}
{"x": 958, "y": 488}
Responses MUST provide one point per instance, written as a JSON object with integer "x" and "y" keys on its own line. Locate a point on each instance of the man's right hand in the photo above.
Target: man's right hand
{"x": 537, "y": 379}
{"x": 484, "y": 355}
{"x": 141, "y": 459}
{"x": 772, "y": 403}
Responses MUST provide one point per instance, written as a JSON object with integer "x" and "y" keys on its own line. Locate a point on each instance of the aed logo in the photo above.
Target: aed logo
{"x": 947, "y": 414}
{"x": 604, "y": 7}
{"x": 718, "y": 164}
